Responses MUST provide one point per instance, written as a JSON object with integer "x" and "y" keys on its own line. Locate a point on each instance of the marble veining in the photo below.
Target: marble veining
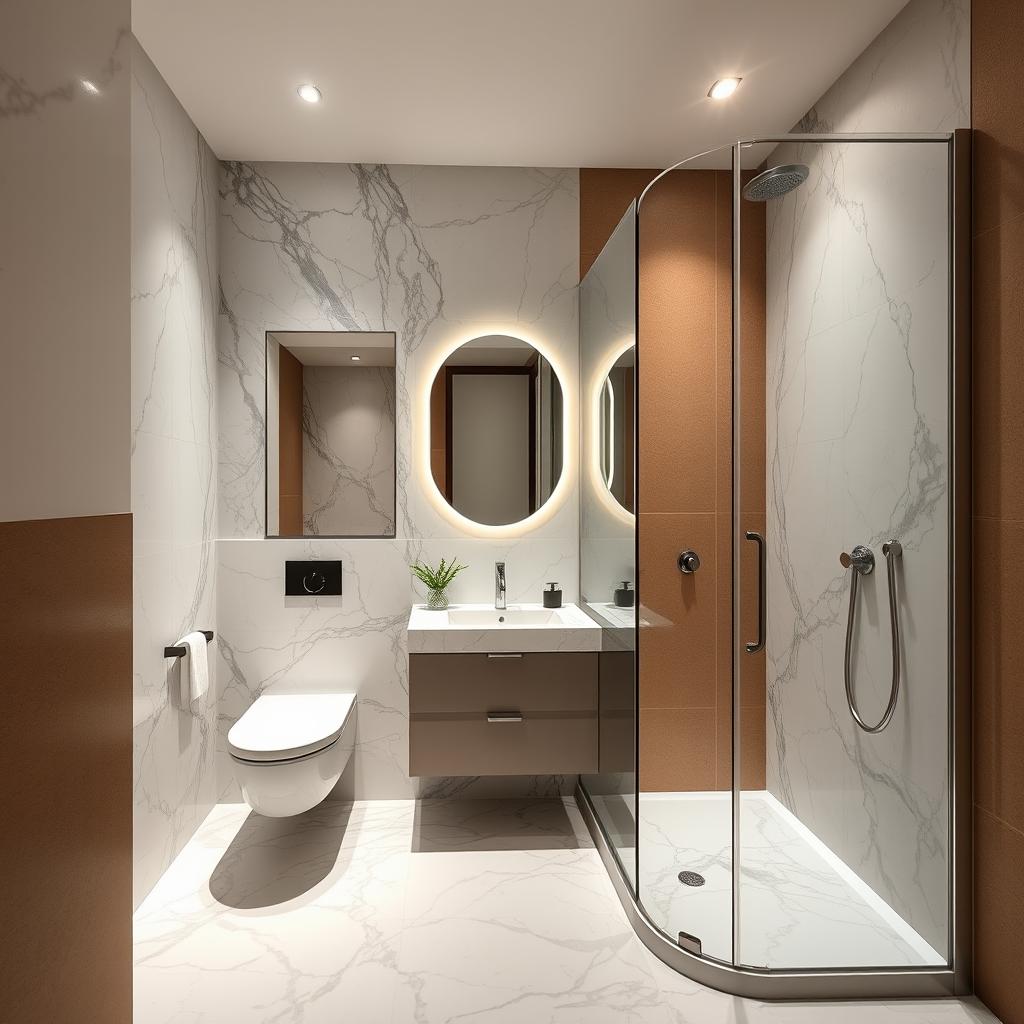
{"x": 431, "y": 911}
{"x": 174, "y": 463}
{"x": 348, "y": 451}
{"x": 21, "y": 98}
{"x": 857, "y": 445}
{"x": 438, "y": 255}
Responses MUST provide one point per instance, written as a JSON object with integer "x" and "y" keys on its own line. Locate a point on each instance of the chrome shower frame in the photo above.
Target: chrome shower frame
{"x": 955, "y": 978}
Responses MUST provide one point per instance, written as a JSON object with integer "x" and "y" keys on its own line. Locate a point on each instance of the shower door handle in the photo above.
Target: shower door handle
{"x": 762, "y": 613}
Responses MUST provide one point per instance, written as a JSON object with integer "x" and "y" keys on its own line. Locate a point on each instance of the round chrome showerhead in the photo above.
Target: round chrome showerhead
{"x": 775, "y": 182}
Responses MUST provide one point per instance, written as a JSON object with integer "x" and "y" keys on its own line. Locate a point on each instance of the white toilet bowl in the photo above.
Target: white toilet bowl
{"x": 288, "y": 750}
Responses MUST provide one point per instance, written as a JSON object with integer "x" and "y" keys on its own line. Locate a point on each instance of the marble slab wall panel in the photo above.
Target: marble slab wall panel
{"x": 174, "y": 463}
{"x": 348, "y": 451}
{"x": 64, "y": 263}
{"x": 857, "y": 445}
{"x": 439, "y": 255}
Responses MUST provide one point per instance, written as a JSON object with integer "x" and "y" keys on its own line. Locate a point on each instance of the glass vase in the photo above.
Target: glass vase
{"x": 437, "y": 600}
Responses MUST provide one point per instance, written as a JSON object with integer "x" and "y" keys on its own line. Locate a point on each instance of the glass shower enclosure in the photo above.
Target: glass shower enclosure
{"x": 774, "y": 537}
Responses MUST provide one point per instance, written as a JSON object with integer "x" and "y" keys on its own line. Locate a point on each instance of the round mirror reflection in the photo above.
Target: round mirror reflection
{"x": 615, "y": 448}
{"x": 496, "y": 430}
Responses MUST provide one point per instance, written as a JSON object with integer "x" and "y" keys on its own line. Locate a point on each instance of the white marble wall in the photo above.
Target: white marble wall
{"x": 858, "y": 452}
{"x": 64, "y": 267}
{"x": 348, "y": 451}
{"x": 439, "y": 255}
{"x": 174, "y": 462}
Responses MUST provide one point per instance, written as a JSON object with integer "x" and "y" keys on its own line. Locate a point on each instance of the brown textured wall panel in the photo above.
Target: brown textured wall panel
{"x": 66, "y": 733}
{"x": 678, "y": 387}
{"x": 290, "y": 444}
{"x": 999, "y": 708}
{"x": 999, "y": 910}
{"x": 999, "y": 368}
{"x": 677, "y": 340}
{"x": 997, "y": 115}
{"x": 685, "y": 341}
{"x": 997, "y": 111}
{"x": 605, "y": 195}
{"x": 677, "y": 750}
{"x": 677, "y": 653}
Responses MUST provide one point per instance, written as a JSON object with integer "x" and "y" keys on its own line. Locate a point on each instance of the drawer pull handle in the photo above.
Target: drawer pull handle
{"x": 504, "y": 716}
{"x": 504, "y": 655}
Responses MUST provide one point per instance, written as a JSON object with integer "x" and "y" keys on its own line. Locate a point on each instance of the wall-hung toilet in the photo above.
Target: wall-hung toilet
{"x": 289, "y": 749}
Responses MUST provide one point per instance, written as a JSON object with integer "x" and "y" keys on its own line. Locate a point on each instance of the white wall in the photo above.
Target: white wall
{"x": 348, "y": 450}
{"x": 64, "y": 270}
{"x": 857, "y": 384}
{"x": 439, "y": 255}
{"x": 491, "y": 446}
{"x": 174, "y": 462}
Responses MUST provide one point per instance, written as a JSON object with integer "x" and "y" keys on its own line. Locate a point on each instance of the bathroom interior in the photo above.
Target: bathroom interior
{"x": 521, "y": 514}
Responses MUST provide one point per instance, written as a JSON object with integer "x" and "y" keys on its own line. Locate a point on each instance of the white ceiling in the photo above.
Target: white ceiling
{"x": 545, "y": 83}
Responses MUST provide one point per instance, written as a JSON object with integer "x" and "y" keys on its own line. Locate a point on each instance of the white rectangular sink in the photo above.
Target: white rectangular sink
{"x": 510, "y": 617}
{"x": 518, "y": 628}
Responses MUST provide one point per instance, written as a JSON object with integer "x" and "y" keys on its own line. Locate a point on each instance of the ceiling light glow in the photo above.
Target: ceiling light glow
{"x": 90, "y": 87}
{"x": 310, "y": 93}
{"x": 724, "y": 88}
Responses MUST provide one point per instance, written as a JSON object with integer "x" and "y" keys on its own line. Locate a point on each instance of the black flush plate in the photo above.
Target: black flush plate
{"x": 312, "y": 579}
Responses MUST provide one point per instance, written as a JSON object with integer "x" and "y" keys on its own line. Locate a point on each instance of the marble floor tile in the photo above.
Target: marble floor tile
{"x": 403, "y": 912}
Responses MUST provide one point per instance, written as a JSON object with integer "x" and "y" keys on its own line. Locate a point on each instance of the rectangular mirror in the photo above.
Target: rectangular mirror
{"x": 330, "y": 434}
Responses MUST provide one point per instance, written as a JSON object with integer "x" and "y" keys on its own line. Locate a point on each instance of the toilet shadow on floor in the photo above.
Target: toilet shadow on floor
{"x": 455, "y": 825}
{"x": 274, "y": 860}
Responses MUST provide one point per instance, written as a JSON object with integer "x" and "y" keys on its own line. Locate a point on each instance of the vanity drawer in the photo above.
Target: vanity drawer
{"x": 469, "y": 744}
{"x": 452, "y": 684}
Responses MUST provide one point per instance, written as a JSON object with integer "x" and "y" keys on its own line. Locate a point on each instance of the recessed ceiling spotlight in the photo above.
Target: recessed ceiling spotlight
{"x": 90, "y": 87}
{"x": 724, "y": 88}
{"x": 310, "y": 93}
{"x": 355, "y": 359}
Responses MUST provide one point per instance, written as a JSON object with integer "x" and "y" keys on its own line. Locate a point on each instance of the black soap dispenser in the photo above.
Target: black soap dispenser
{"x": 625, "y": 596}
{"x": 553, "y": 596}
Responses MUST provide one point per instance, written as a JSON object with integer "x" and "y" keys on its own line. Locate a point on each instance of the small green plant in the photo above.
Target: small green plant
{"x": 439, "y": 578}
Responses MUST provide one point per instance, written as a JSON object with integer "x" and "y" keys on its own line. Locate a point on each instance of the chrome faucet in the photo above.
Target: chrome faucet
{"x": 499, "y": 586}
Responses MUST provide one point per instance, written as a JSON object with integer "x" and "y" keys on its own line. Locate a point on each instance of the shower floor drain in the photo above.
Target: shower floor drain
{"x": 691, "y": 878}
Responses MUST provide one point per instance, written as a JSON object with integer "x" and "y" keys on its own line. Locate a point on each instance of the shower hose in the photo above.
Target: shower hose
{"x": 862, "y": 561}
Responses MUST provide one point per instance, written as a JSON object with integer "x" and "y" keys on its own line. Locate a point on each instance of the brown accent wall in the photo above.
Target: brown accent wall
{"x": 290, "y": 441}
{"x": 66, "y": 734}
{"x": 997, "y": 115}
{"x": 685, "y": 468}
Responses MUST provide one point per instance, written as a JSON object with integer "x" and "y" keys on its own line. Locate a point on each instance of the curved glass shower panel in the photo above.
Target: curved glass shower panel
{"x": 608, "y": 524}
{"x": 843, "y": 430}
{"x": 684, "y": 340}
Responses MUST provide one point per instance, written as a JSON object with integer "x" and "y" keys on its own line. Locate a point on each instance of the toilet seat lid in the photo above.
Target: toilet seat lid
{"x": 279, "y": 726}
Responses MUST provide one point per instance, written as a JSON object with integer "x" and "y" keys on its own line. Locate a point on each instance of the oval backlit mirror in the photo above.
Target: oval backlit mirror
{"x": 496, "y": 436}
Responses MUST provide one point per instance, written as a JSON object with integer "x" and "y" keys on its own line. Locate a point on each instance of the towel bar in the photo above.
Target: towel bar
{"x": 180, "y": 652}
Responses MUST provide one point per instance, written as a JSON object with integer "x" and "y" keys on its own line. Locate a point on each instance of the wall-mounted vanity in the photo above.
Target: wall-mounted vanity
{"x": 503, "y": 692}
